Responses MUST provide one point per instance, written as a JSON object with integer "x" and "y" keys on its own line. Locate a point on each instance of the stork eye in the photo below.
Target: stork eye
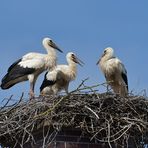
{"x": 73, "y": 55}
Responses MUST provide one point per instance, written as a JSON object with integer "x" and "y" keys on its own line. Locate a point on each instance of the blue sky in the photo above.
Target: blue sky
{"x": 85, "y": 27}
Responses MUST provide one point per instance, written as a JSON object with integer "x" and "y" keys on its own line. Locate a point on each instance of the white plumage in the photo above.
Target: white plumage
{"x": 30, "y": 66}
{"x": 59, "y": 78}
{"x": 114, "y": 72}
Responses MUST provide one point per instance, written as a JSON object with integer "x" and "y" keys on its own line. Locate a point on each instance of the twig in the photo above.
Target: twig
{"x": 92, "y": 111}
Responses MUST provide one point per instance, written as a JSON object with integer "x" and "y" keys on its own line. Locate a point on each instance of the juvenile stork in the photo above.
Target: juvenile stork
{"x": 30, "y": 66}
{"x": 114, "y": 72}
{"x": 59, "y": 78}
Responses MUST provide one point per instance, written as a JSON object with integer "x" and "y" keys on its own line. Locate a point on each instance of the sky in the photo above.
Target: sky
{"x": 84, "y": 27}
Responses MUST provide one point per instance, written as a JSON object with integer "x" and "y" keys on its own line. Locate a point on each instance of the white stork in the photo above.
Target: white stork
{"x": 114, "y": 72}
{"x": 30, "y": 66}
{"x": 59, "y": 78}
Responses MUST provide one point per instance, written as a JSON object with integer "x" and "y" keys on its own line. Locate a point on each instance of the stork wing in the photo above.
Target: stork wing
{"x": 35, "y": 63}
{"x": 124, "y": 76}
{"x": 13, "y": 65}
{"x": 32, "y": 55}
{"x": 15, "y": 74}
{"x": 19, "y": 70}
{"x": 123, "y": 73}
{"x": 49, "y": 79}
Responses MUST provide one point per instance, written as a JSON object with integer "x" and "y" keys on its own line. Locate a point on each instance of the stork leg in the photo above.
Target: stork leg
{"x": 31, "y": 93}
{"x": 107, "y": 87}
{"x": 32, "y": 80}
{"x": 123, "y": 90}
{"x": 66, "y": 89}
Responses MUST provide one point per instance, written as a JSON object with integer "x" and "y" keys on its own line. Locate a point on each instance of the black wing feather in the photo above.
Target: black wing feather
{"x": 124, "y": 76}
{"x": 14, "y": 72}
{"x": 14, "y": 64}
{"x": 46, "y": 82}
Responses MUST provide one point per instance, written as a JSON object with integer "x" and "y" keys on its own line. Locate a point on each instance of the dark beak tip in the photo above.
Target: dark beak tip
{"x": 98, "y": 62}
{"x": 59, "y": 50}
{"x": 81, "y": 64}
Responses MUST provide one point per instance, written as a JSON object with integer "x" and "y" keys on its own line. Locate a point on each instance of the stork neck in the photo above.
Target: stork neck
{"x": 73, "y": 66}
{"x": 51, "y": 51}
{"x": 51, "y": 57}
{"x": 107, "y": 57}
{"x": 73, "y": 70}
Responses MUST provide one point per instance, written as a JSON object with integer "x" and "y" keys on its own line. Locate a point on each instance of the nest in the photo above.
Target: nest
{"x": 107, "y": 118}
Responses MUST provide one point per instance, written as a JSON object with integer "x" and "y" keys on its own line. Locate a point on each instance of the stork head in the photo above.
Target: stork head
{"x": 72, "y": 58}
{"x": 108, "y": 51}
{"x": 47, "y": 42}
{"x": 107, "y": 54}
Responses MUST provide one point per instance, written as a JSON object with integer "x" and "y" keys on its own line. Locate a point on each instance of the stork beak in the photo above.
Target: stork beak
{"x": 78, "y": 61}
{"x": 53, "y": 45}
{"x": 98, "y": 62}
{"x": 100, "y": 59}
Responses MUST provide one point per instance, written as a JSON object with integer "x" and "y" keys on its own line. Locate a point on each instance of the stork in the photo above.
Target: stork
{"x": 114, "y": 72}
{"x": 59, "y": 78}
{"x": 30, "y": 66}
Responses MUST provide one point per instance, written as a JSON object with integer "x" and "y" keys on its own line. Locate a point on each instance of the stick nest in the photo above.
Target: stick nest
{"x": 106, "y": 117}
